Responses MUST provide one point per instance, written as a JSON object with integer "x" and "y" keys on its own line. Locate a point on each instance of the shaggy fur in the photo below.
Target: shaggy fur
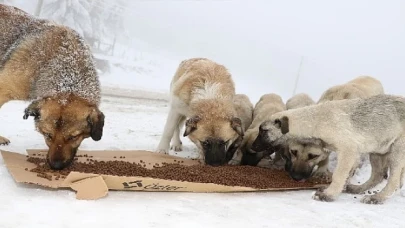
{"x": 264, "y": 108}
{"x": 302, "y": 152}
{"x": 203, "y": 92}
{"x": 299, "y": 100}
{"x": 51, "y": 65}
{"x": 360, "y": 87}
{"x": 351, "y": 128}
{"x": 244, "y": 110}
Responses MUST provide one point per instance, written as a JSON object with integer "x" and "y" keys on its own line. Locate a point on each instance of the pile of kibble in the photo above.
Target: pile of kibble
{"x": 245, "y": 176}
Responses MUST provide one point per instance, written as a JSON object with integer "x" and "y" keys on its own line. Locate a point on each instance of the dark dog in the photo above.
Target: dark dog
{"x": 52, "y": 66}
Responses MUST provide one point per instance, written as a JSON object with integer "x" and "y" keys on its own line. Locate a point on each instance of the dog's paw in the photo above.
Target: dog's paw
{"x": 234, "y": 162}
{"x": 327, "y": 176}
{"x": 372, "y": 200}
{"x": 162, "y": 151}
{"x": 353, "y": 189}
{"x": 4, "y": 141}
{"x": 177, "y": 148}
{"x": 320, "y": 195}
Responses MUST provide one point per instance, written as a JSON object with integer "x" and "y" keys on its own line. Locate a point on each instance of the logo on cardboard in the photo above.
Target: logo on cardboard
{"x": 154, "y": 186}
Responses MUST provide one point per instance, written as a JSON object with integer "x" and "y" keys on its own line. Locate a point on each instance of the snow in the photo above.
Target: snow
{"x": 134, "y": 101}
{"x": 137, "y": 124}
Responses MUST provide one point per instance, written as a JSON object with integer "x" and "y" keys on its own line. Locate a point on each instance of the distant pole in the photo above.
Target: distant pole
{"x": 298, "y": 75}
{"x": 39, "y": 7}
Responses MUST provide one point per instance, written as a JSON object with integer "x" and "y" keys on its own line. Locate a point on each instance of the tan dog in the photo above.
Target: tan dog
{"x": 360, "y": 87}
{"x": 351, "y": 127}
{"x": 264, "y": 108}
{"x": 299, "y": 100}
{"x": 51, "y": 65}
{"x": 203, "y": 91}
{"x": 244, "y": 109}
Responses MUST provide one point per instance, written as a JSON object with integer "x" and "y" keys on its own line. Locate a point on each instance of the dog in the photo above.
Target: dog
{"x": 359, "y": 87}
{"x": 244, "y": 110}
{"x": 202, "y": 91}
{"x": 351, "y": 127}
{"x": 51, "y": 66}
{"x": 302, "y": 152}
{"x": 299, "y": 100}
{"x": 267, "y": 105}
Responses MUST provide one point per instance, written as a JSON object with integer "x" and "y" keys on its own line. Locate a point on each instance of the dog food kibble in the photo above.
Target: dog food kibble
{"x": 245, "y": 176}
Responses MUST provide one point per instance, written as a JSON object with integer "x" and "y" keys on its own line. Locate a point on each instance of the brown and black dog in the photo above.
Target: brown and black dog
{"x": 52, "y": 66}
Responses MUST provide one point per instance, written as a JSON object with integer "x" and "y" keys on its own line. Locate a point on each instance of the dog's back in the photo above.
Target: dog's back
{"x": 15, "y": 24}
{"x": 265, "y": 107}
{"x": 56, "y": 59}
{"x": 379, "y": 113}
{"x": 200, "y": 78}
{"x": 299, "y": 100}
{"x": 360, "y": 87}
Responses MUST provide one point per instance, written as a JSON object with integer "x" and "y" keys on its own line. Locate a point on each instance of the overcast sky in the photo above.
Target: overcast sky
{"x": 262, "y": 42}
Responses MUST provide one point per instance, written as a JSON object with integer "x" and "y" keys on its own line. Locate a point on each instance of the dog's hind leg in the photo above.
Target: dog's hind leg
{"x": 172, "y": 122}
{"x": 346, "y": 161}
{"x": 396, "y": 159}
{"x": 378, "y": 166}
{"x": 176, "y": 142}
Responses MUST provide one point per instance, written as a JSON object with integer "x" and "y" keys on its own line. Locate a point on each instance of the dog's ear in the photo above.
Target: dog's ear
{"x": 191, "y": 125}
{"x": 96, "y": 122}
{"x": 282, "y": 124}
{"x": 32, "y": 110}
{"x": 236, "y": 124}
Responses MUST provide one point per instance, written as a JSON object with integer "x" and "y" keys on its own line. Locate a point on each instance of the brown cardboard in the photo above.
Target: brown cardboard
{"x": 90, "y": 188}
{"x": 94, "y": 186}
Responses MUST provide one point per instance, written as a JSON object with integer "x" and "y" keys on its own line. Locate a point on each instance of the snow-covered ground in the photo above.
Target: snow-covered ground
{"x": 137, "y": 124}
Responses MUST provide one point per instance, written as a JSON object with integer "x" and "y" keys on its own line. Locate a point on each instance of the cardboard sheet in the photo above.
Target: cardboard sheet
{"x": 94, "y": 186}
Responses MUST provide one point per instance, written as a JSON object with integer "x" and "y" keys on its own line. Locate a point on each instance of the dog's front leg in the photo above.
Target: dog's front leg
{"x": 3, "y": 99}
{"x": 172, "y": 122}
{"x": 345, "y": 163}
{"x": 177, "y": 145}
{"x": 237, "y": 157}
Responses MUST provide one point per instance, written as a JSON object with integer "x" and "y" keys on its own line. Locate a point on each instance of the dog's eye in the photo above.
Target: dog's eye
{"x": 294, "y": 152}
{"x": 73, "y": 137}
{"x": 48, "y": 136}
{"x": 205, "y": 143}
{"x": 312, "y": 156}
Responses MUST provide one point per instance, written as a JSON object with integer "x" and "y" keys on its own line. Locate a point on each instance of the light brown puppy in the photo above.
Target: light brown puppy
{"x": 51, "y": 66}
{"x": 202, "y": 91}
{"x": 264, "y": 108}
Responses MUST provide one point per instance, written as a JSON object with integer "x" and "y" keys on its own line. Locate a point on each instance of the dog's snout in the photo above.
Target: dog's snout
{"x": 57, "y": 165}
{"x": 297, "y": 176}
